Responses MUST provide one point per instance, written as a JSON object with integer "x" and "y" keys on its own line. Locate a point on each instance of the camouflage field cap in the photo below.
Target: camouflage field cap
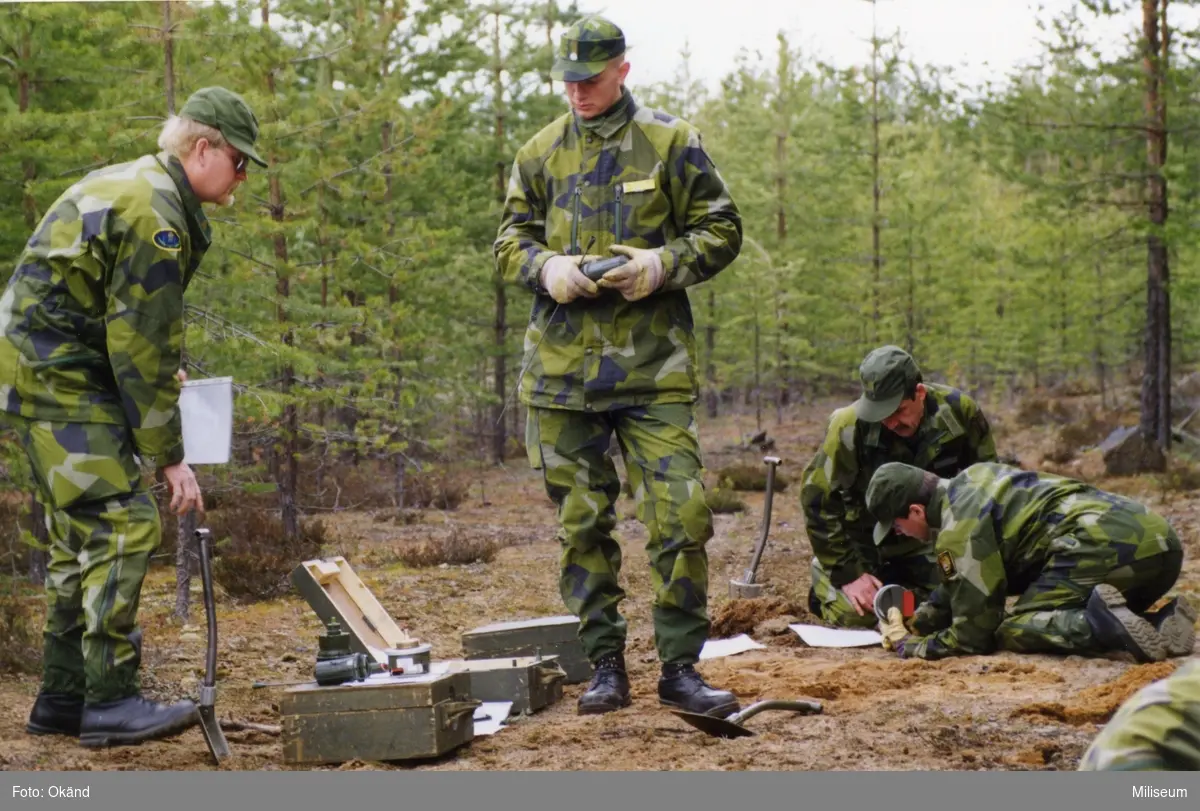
{"x": 894, "y": 487}
{"x": 228, "y": 112}
{"x": 887, "y": 373}
{"x": 585, "y": 49}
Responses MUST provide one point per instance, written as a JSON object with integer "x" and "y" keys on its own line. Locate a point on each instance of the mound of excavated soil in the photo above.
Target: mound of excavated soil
{"x": 1095, "y": 705}
{"x": 742, "y": 615}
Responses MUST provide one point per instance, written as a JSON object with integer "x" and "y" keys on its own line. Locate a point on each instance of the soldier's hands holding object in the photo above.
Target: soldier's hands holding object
{"x": 564, "y": 280}
{"x": 893, "y": 631}
{"x": 637, "y": 278}
{"x": 861, "y": 593}
{"x": 185, "y": 492}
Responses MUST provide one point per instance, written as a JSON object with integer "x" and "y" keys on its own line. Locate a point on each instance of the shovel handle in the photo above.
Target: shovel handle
{"x": 806, "y": 707}
{"x": 203, "y": 541}
{"x": 772, "y": 462}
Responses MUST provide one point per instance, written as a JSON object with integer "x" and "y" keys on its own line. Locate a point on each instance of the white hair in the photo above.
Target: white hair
{"x": 179, "y": 136}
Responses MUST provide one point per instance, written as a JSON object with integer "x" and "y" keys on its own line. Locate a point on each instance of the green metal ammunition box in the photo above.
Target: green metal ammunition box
{"x": 382, "y": 718}
{"x": 528, "y": 683}
{"x": 547, "y": 636}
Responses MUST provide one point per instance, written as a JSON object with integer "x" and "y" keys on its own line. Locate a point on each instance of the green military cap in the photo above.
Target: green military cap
{"x": 892, "y": 489}
{"x": 586, "y": 48}
{"x": 887, "y": 373}
{"x": 228, "y": 112}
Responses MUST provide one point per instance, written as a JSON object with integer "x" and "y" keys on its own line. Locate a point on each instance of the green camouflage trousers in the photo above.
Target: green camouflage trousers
{"x": 103, "y": 527}
{"x": 911, "y": 565}
{"x": 1126, "y": 546}
{"x": 662, "y": 460}
{"x": 1158, "y": 729}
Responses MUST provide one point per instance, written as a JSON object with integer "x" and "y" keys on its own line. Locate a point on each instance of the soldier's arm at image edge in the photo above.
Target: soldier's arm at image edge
{"x": 520, "y": 247}
{"x": 712, "y": 232}
{"x": 145, "y": 343}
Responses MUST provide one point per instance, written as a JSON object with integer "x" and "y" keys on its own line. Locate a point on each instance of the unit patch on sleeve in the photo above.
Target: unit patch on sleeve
{"x": 166, "y": 239}
{"x": 946, "y": 563}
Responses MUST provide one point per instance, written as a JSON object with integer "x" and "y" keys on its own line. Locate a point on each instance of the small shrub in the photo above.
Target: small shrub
{"x": 253, "y": 559}
{"x": 457, "y": 548}
{"x": 1040, "y": 411}
{"x": 721, "y": 500}
{"x": 1181, "y": 476}
{"x": 750, "y": 477}
{"x": 399, "y": 517}
{"x": 20, "y": 635}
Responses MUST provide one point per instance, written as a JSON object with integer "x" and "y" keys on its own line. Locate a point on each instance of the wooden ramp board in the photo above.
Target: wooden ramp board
{"x": 334, "y": 591}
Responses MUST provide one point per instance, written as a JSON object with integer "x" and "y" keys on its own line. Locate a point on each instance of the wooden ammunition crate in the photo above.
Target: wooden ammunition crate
{"x": 547, "y": 636}
{"x": 334, "y": 591}
{"x": 382, "y": 718}
{"x": 528, "y": 683}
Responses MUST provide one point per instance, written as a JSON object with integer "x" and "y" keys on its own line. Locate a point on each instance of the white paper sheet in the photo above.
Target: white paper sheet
{"x": 206, "y": 408}
{"x": 818, "y": 637}
{"x": 490, "y": 716}
{"x": 728, "y": 647}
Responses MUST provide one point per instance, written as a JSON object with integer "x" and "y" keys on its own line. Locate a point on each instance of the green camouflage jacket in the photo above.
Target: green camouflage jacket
{"x": 998, "y": 527}
{"x": 636, "y": 177}
{"x": 1158, "y": 729}
{"x": 953, "y": 435}
{"x": 92, "y": 317}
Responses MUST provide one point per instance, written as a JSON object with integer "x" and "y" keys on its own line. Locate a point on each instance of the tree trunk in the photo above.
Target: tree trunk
{"x": 168, "y": 58}
{"x": 28, "y": 167}
{"x": 500, "y": 324}
{"x": 1156, "y": 383}
{"x": 289, "y": 473}
{"x": 876, "y": 189}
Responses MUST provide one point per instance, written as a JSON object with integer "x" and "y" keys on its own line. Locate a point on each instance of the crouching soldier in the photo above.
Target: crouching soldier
{"x": 1085, "y": 563}
{"x": 899, "y": 418}
{"x": 1158, "y": 729}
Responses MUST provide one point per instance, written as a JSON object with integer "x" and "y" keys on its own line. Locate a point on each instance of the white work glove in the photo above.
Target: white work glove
{"x": 637, "y": 278}
{"x": 564, "y": 280}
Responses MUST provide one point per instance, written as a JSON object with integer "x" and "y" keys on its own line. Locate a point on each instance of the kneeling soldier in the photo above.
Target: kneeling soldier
{"x": 1086, "y": 563}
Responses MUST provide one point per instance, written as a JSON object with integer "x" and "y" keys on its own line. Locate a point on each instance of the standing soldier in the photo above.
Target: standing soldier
{"x": 1158, "y": 729}
{"x": 92, "y": 324}
{"x": 619, "y": 355}
{"x": 898, "y": 418}
{"x": 1087, "y": 564}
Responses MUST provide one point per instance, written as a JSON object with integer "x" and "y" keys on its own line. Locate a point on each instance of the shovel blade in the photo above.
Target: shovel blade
{"x": 717, "y": 727}
{"x": 213, "y": 735}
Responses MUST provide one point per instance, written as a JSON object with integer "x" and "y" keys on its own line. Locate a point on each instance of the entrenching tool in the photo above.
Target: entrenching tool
{"x": 746, "y": 587}
{"x": 731, "y": 727}
{"x": 209, "y": 723}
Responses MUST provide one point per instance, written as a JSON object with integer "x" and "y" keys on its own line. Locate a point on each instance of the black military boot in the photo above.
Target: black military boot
{"x": 1118, "y": 628}
{"x": 1176, "y": 624}
{"x": 609, "y": 690}
{"x": 55, "y": 714}
{"x": 134, "y": 720}
{"x": 681, "y": 687}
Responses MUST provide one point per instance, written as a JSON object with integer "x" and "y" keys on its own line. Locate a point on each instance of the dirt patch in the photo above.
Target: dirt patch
{"x": 879, "y": 713}
{"x": 740, "y": 616}
{"x": 1095, "y": 705}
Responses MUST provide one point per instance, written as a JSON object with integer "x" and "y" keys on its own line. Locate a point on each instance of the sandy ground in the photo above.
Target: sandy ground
{"x": 997, "y": 712}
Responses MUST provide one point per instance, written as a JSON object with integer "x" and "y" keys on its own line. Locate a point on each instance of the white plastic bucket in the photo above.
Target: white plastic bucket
{"x": 206, "y": 407}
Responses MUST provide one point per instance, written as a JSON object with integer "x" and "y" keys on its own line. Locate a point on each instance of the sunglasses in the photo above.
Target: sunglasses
{"x": 240, "y": 164}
